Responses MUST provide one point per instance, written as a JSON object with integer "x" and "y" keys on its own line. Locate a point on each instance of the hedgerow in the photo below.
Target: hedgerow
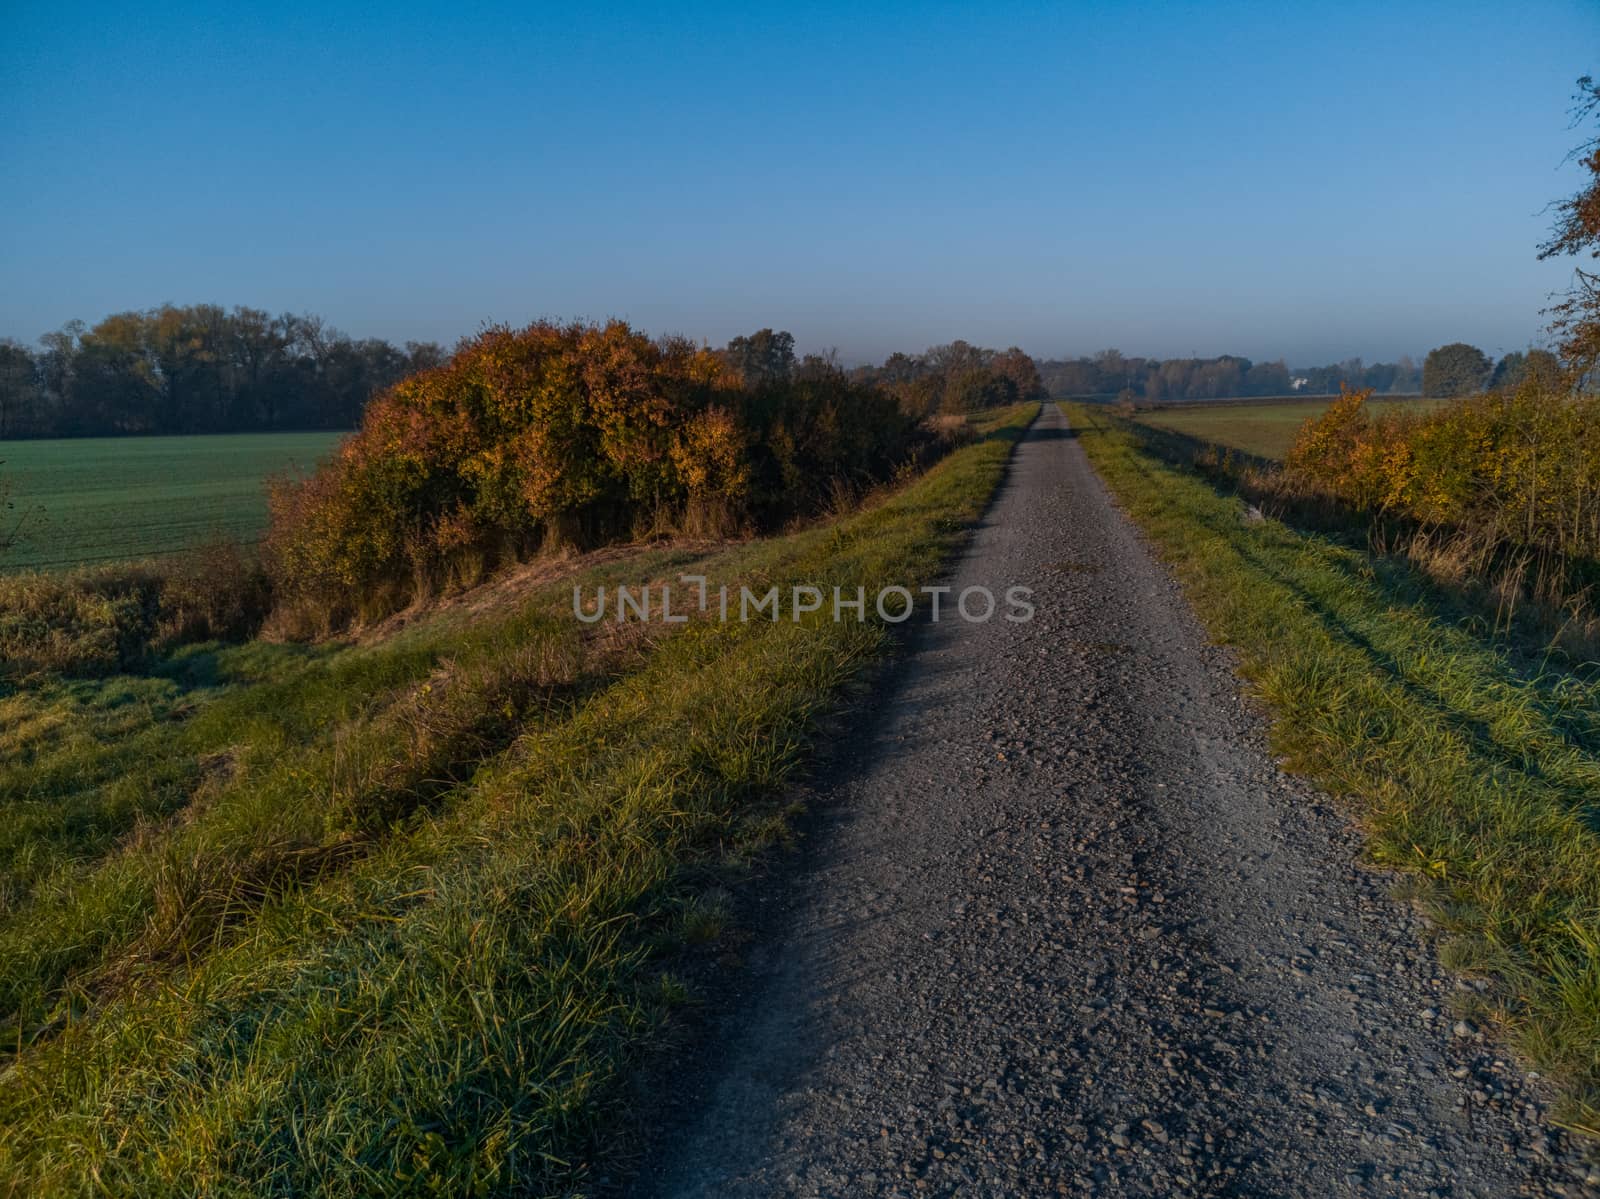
{"x": 1513, "y": 475}
{"x": 559, "y": 435}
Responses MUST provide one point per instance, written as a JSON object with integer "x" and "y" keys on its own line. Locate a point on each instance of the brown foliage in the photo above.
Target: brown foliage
{"x": 1508, "y": 481}
{"x": 562, "y": 435}
{"x": 1576, "y": 319}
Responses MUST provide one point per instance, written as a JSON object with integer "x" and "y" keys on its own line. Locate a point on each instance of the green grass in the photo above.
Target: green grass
{"x": 1267, "y": 430}
{"x": 1472, "y": 762}
{"x": 412, "y": 934}
{"x": 100, "y": 499}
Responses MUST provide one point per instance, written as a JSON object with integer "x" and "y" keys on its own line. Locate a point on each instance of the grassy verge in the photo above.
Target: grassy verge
{"x": 415, "y": 950}
{"x": 1474, "y": 764}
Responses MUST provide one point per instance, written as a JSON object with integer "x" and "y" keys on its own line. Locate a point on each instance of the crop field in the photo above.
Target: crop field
{"x": 1265, "y": 429}
{"x": 99, "y": 499}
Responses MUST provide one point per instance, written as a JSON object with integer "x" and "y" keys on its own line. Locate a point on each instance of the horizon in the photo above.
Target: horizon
{"x": 1172, "y": 182}
{"x": 449, "y": 346}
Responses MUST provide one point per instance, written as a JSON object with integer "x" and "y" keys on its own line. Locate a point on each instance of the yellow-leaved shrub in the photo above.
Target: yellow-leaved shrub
{"x": 563, "y": 434}
{"x": 1516, "y": 471}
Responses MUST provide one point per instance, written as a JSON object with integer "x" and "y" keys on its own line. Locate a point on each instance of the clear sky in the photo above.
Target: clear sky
{"x": 1311, "y": 181}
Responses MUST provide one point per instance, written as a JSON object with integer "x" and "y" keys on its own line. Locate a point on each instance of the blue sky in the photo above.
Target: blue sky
{"x": 1308, "y": 181}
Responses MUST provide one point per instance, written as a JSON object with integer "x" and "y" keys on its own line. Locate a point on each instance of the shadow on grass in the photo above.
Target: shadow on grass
{"x": 1550, "y": 720}
{"x": 1236, "y": 472}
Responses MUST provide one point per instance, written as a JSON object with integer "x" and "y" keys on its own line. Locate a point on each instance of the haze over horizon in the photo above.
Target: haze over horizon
{"x": 1167, "y": 179}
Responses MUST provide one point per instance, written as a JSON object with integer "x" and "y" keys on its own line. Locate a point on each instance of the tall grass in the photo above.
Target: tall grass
{"x": 1472, "y": 761}
{"x": 450, "y": 1010}
{"x": 101, "y": 620}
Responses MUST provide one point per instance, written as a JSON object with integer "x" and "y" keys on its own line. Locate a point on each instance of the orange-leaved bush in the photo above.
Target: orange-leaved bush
{"x": 1363, "y": 461}
{"x": 1517, "y": 470}
{"x": 564, "y": 434}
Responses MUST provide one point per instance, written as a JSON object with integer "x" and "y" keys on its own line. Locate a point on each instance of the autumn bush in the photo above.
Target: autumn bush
{"x": 1510, "y": 480}
{"x": 562, "y": 435}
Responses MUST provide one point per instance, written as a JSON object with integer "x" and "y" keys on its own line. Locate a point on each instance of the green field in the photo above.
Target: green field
{"x": 98, "y": 499}
{"x": 1265, "y": 429}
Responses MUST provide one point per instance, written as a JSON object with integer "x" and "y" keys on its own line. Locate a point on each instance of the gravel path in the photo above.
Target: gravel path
{"x": 1062, "y": 926}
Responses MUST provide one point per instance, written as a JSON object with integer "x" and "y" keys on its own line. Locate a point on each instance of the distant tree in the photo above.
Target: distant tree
{"x": 1455, "y": 370}
{"x": 1545, "y": 367}
{"x": 117, "y": 379}
{"x": 818, "y": 368}
{"x": 900, "y": 368}
{"x": 1575, "y": 321}
{"x": 974, "y": 387}
{"x": 1320, "y": 380}
{"x": 196, "y": 369}
{"x": 424, "y": 355}
{"x": 1267, "y": 379}
{"x": 185, "y": 347}
{"x": 256, "y": 346}
{"x": 19, "y": 390}
{"x": 1380, "y": 376}
{"x": 761, "y": 358}
{"x": 1220, "y": 377}
{"x": 1023, "y": 372}
{"x": 1073, "y": 377}
{"x": 1517, "y": 366}
{"x": 956, "y": 358}
{"x": 1178, "y": 379}
{"x": 1114, "y": 369}
{"x": 1511, "y": 370}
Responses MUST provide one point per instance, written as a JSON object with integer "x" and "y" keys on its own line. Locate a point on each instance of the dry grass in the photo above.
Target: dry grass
{"x": 101, "y": 620}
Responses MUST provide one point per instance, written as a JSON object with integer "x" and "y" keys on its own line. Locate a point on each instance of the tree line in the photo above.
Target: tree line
{"x": 198, "y": 368}
{"x": 201, "y": 368}
{"x": 1154, "y": 381}
{"x": 953, "y": 378}
{"x": 204, "y": 369}
{"x": 1451, "y": 370}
